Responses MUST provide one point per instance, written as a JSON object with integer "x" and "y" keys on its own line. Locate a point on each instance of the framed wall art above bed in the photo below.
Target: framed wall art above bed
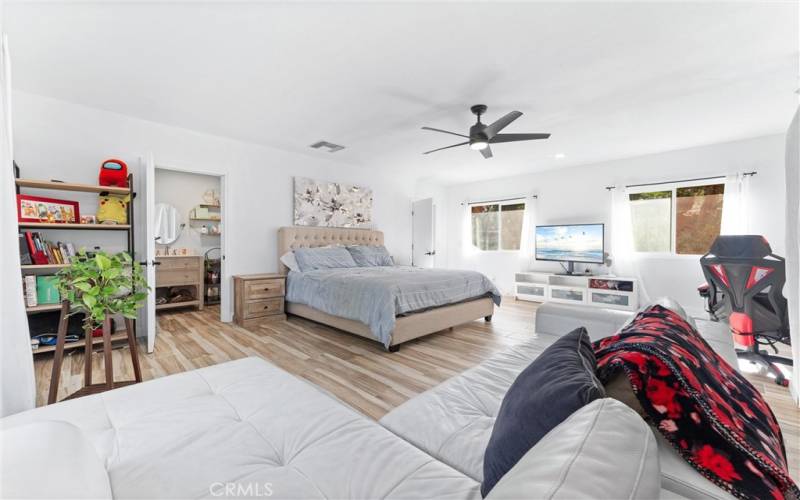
{"x": 331, "y": 204}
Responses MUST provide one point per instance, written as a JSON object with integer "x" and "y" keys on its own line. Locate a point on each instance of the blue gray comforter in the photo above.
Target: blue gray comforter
{"x": 375, "y": 295}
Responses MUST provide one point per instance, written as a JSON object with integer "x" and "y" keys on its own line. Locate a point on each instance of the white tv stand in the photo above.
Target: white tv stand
{"x": 599, "y": 291}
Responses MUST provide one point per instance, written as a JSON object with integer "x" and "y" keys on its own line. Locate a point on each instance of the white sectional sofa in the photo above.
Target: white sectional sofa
{"x": 453, "y": 421}
{"x": 247, "y": 428}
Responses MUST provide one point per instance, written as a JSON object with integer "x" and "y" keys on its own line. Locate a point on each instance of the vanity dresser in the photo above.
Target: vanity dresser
{"x": 176, "y": 274}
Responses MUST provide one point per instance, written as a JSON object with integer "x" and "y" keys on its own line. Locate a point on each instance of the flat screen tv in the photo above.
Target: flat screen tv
{"x": 570, "y": 243}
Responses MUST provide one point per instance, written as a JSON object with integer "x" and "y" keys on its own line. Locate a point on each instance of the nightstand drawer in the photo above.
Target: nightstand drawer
{"x": 264, "y": 289}
{"x": 267, "y": 307}
{"x": 172, "y": 278}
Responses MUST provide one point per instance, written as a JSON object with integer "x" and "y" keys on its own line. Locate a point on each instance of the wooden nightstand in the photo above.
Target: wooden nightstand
{"x": 258, "y": 298}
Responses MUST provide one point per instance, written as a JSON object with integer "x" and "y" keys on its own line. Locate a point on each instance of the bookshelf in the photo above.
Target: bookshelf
{"x": 68, "y": 186}
{"x": 120, "y": 335}
{"x": 41, "y": 269}
{"x": 82, "y": 227}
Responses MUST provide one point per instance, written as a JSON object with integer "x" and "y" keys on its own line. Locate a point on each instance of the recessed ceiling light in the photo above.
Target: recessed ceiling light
{"x": 559, "y": 156}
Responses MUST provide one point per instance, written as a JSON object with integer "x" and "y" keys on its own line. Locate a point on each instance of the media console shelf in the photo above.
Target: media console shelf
{"x": 599, "y": 291}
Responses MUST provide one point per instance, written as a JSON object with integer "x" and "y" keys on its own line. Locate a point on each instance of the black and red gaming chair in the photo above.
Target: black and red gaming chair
{"x": 744, "y": 281}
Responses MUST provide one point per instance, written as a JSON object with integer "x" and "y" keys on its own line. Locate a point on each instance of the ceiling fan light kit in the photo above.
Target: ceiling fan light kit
{"x": 481, "y": 136}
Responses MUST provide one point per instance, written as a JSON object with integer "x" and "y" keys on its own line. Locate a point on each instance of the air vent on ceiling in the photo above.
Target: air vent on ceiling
{"x": 331, "y": 147}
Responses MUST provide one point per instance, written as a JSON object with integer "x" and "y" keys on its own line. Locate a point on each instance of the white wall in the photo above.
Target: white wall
{"x": 56, "y": 139}
{"x": 577, "y": 195}
{"x": 184, "y": 191}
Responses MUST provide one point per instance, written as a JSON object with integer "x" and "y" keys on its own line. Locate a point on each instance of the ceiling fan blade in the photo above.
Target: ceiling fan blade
{"x": 444, "y": 131}
{"x": 487, "y": 152}
{"x": 446, "y": 147}
{"x": 516, "y": 137}
{"x": 496, "y": 127}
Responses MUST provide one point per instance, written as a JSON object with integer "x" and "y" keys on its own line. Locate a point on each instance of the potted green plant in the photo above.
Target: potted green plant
{"x": 101, "y": 285}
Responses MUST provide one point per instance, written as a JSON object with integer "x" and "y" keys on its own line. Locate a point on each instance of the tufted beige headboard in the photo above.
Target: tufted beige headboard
{"x": 293, "y": 237}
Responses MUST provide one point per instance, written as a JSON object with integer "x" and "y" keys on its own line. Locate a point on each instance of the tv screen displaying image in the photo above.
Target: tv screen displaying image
{"x": 570, "y": 243}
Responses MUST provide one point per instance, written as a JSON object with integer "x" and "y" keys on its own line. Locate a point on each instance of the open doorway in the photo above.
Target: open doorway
{"x": 186, "y": 223}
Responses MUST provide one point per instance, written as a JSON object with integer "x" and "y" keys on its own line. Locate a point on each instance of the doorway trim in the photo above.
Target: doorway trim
{"x": 226, "y": 302}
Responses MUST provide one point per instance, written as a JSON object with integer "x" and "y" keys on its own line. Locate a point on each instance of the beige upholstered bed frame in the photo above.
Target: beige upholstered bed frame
{"x": 407, "y": 327}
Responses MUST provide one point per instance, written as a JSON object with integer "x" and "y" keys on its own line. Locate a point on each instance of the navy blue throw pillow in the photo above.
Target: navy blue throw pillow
{"x": 558, "y": 382}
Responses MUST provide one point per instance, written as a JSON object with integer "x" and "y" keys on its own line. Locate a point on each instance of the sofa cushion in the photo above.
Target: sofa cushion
{"x": 557, "y": 383}
{"x": 603, "y": 450}
{"x": 453, "y": 421}
{"x": 50, "y": 460}
{"x": 247, "y": 423}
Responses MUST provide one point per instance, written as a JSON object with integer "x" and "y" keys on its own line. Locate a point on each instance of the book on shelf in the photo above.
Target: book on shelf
{"x": 29, "y": 286}
{"x": 42, "y": 252}
{"x": 24, "y": 251}
{"x": 46, "y": 290}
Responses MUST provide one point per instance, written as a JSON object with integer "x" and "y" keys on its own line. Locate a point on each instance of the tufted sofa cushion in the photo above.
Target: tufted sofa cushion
{"x": 247, "y": 424}
{"x": 454, "y": 420}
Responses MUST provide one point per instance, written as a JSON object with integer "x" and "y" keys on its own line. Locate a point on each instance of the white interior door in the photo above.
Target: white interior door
{"x": 150, "y": 250}
{"x": 423, "y": 223}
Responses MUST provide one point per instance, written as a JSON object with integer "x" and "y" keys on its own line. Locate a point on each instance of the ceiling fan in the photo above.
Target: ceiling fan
{"x": 482, "y": 135}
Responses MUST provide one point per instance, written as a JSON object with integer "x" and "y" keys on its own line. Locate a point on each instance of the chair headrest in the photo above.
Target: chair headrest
{"x": 749, "y": 246}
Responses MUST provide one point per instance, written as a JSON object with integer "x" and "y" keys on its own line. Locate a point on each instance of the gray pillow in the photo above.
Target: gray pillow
{"x": 309, "y": 259}
{"x": 371, "y": 256}
{"x": 559, "y": 382}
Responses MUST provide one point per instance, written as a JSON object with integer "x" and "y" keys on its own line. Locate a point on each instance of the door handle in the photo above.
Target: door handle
{"x": 432, "y": 252}
{"x": 154, "y": 263}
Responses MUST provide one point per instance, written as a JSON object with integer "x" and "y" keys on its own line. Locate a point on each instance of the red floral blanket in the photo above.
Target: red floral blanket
{"x": 710, "y": 413}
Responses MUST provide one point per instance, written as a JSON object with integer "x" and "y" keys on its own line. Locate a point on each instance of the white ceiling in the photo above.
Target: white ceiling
{"x": 608, "y": 80}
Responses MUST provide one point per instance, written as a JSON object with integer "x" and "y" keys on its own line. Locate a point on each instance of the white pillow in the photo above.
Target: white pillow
{"x": 603, "y": 450}
{"x": 288, "y": 259}
{"x": 50, "y": 459}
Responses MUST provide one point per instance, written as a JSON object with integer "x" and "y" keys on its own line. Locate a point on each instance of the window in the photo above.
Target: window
{"x": 497, "y": 226}
{"x": 683, "y": 220}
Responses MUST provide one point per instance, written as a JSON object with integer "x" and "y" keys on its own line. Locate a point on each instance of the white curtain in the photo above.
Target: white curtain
{"x": 735, "y": 213}
{"x": 17, "y": 382}
{"x": 467, "y": 248}
{"x": 792, "y": 290}
{"x": 526, "y": 246}
{"x": 624, "y": 261}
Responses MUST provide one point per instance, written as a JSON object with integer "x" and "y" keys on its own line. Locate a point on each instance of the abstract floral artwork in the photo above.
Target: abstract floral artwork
{"x": 331, "y": 204}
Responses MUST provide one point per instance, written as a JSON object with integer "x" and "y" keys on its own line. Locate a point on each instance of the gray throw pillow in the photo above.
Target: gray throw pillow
{"x": 310, "y": 259}
{"x": 370, "y": 256}
{"x": 555, "y": 385}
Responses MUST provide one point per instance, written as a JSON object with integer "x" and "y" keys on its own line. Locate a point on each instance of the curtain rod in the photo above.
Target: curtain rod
{"x": 498, "y": 201}
{"x": 609, "y": 188}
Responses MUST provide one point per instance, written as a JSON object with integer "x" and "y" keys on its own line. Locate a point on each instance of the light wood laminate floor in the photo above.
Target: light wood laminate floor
{"x": 357, "y": 371}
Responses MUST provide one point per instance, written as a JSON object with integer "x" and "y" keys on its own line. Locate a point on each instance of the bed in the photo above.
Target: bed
{"x": 404, "y": 327}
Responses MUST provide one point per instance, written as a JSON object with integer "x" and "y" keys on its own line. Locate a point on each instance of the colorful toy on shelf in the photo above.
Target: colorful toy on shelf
{"x": 114, "y": 173}
{"x": 113, "y": 209}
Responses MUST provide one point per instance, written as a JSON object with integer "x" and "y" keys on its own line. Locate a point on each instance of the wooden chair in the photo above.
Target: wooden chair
{"x": 88, "y": 387}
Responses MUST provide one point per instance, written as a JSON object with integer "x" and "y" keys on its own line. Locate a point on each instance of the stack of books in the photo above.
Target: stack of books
{"x": 40, "y": 290}
{"x": 34, "y": 249}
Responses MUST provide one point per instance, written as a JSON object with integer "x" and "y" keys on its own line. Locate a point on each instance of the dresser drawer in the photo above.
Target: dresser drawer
{"x": 257, "y": 308}
{"x": 180, "y": 263}
{"x": 178, "y": 277}
{"x": 264, "y": 289}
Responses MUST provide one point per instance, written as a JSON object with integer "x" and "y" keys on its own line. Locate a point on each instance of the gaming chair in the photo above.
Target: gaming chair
{"x": 744, "y": 282}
